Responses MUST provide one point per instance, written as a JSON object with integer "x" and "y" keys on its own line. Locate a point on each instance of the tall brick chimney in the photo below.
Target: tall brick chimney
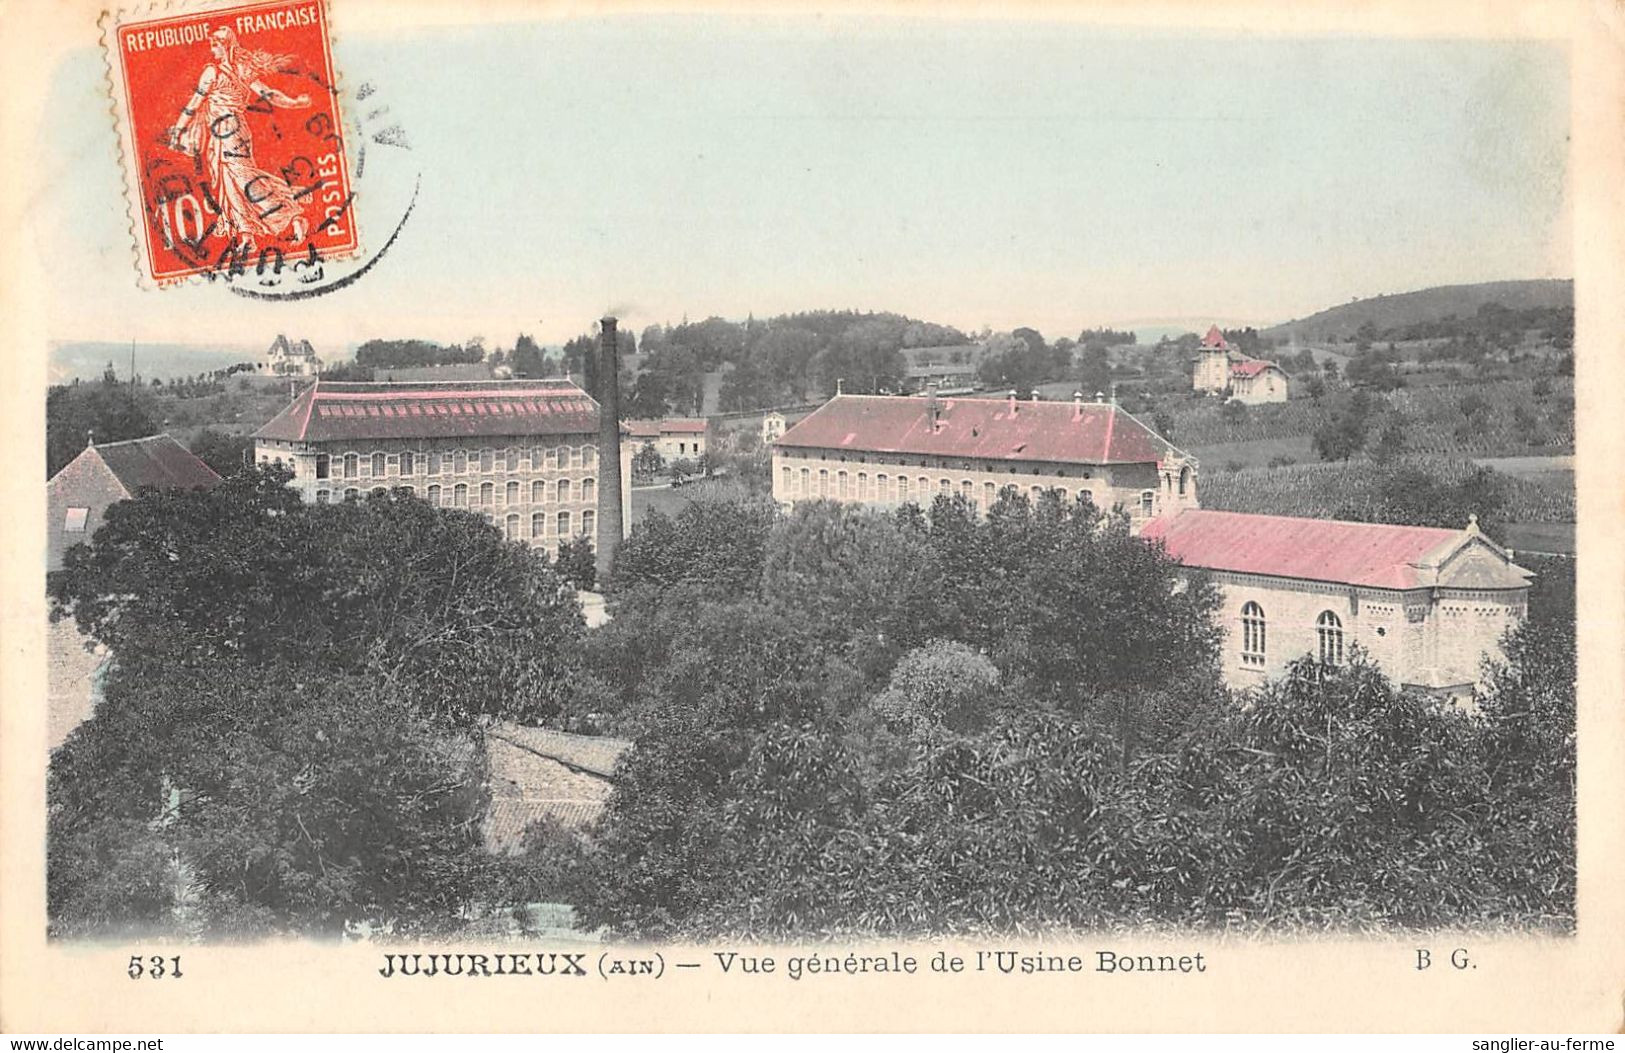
{"x": 608, "y": 395}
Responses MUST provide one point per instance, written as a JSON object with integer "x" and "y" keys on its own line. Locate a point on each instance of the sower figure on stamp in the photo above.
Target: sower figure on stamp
{"x": 254, "y": 204}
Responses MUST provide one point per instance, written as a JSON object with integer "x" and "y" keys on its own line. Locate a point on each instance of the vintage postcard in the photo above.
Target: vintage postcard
{"x": 543, "y": 517}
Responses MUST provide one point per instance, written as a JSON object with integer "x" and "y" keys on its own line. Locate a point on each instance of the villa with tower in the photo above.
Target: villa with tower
{"x": 1220, "y": 368}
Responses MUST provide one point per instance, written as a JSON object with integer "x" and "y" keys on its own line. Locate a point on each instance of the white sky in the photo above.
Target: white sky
{"x": 1053, "y": 175}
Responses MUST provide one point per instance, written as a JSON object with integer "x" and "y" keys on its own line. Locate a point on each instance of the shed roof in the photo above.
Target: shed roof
{"x": 988, "y": 429}
{"x": 402, "y": 410}
{"x": 157, "y": 460}
{"x": 1377, "y": 555}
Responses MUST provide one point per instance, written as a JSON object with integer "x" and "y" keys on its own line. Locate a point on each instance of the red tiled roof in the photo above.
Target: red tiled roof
{"x": 329, "y": 410}
{"x": 1051, "y": 432}
{"x": 1373, "y": 554}
{"x": 1251, "y": 367}
{"x": 1214, "y": 338}
{"x": 157, "y": 460}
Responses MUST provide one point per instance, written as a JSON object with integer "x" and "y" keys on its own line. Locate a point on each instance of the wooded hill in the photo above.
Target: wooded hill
{"x": 1384, "y": 313}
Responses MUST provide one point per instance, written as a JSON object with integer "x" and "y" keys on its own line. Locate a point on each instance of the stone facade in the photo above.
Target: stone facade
{"x": 537, "y": 486}
{"x": 675, "y": 439}
{"x": 879, "y": 456}
{"x": 1428, "y": 606}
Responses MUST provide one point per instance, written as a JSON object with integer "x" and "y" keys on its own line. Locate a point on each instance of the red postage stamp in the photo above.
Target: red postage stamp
{"x": 234, "y": 151}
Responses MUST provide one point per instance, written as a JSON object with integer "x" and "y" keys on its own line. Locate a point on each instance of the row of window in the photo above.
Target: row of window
{"x": 903, "y": 489}
{"x": 462, "y": 495}
{"x": 511, "y": 523}
{"x": 455, "y": 462}
{"x": 1254, "y": 638}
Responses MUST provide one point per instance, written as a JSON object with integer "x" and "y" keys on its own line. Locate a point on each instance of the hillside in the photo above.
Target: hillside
{"x": 1424, "y": 305}
{"x": 85, "y": 359}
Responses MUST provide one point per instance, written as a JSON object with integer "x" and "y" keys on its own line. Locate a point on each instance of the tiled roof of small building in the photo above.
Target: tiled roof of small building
{"x": 1378, "y": 555}
{"x": 987, "y": 429}
{"x": 650, "y": 429}
{"x": 332, "y": 410}
{"x": 1251, "y": 367}
{"x": 157, "y": 460}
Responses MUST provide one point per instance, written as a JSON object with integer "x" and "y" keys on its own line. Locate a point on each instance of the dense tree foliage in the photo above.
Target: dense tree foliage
{"x": 107, "y": 411}
{"x": 290, "y": 735}
{"x": 938, "y": 722}
{"x": 404, "y": 354}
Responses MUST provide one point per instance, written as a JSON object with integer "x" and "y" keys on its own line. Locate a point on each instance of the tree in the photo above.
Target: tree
{"x": 224, "y": 452}
{"x": 647, "y": 462}
{"x": 1343, "y": 433}
{"x": 106, "y": 412}
{"x": 528, "y": 358}
{"x": 577, "y": 564}
{"x": 293, "y": 715}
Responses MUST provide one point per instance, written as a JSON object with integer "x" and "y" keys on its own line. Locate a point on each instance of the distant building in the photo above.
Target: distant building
{"x": 523, "y": 453}
{"x": 1221, "y": 368}
{"x": 950, "y": 368}
{"x": 1428, "y": 605}
{"x": 772, "y": 427}
{"x": 290, "y": 358}
{"x": 889, "y": 450}
{"x": 675, "y": 438}
{"x": 78, "y": 496}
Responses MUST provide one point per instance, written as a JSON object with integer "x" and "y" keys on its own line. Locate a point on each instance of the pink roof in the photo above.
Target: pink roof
{"x": 1214, "y": 338}
{"x": 1052, "y": 432}
{"x": 651, "y": 429}
{"x": 1373, "y": 554}
{"x": 1252, "y": 367}
{"x": 329, "y": 410}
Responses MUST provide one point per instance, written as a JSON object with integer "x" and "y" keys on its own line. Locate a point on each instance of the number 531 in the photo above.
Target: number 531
{"x": 155, "y": 967}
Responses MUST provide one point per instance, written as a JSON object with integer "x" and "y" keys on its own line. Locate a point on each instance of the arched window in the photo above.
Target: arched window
{"x": 823, "y": 482}
{"x": 351, "y": 465}
{"x": 510, "y": 527}
{"x": 967, "y": 490}
{"x": 459, "y": 496}
{"x": 842, "y": 489}
{"x": 324, "y": 466}
{"x": 1184, "y": 479}
{"x": 1148, "y": 503}
{"x": 538, "y": 524}
{"x": 488, "y": 494}
{"x": 459, "y": 462}
{"x": 510, "y": 493}
{"x": 1252, "y": 634}
{"x": 588, "y": 521}
{"x": 564, "y": 524}
{"x": 537, "y": 458}
{"x": 1037, "y": 492}
{"x": 990, "y": 495}
{"x": 411, "y": 491}
{"x": 408, "y": 463}
{"x": 1329, "y": 628}
{"x": 434, "y": 496}
{"x": 784, "y": 479}
{"x": 882, "y": 488}
{"x": 589, "y": 490}
{"x": 538, "y": 491}
{"x": 925, "y": 488}
{"x": 378, "y": 462}
{"x": 806, "y": 482}
{"x": 564, "y": 489}
{"x": 902, "y": 489}
{"x": 511, "y": 460}
{"x": 322, "y": 496}
{"x": 432, "y": 465}
{"x": 863, "y": 486}
{"x": 575, "y": 457}
{"x": 377, "y": 491}
{"x": 589, "y": 456}
{"x": 488, "y": 460}
{"x": 352, "y": 494}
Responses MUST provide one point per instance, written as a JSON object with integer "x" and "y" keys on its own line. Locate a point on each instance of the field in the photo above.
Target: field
{"x": 1500, "y": 418}
{"x": 1327, "y": 490}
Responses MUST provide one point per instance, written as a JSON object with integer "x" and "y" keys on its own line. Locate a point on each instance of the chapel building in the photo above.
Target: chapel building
{"x": 1428, "y": 605}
